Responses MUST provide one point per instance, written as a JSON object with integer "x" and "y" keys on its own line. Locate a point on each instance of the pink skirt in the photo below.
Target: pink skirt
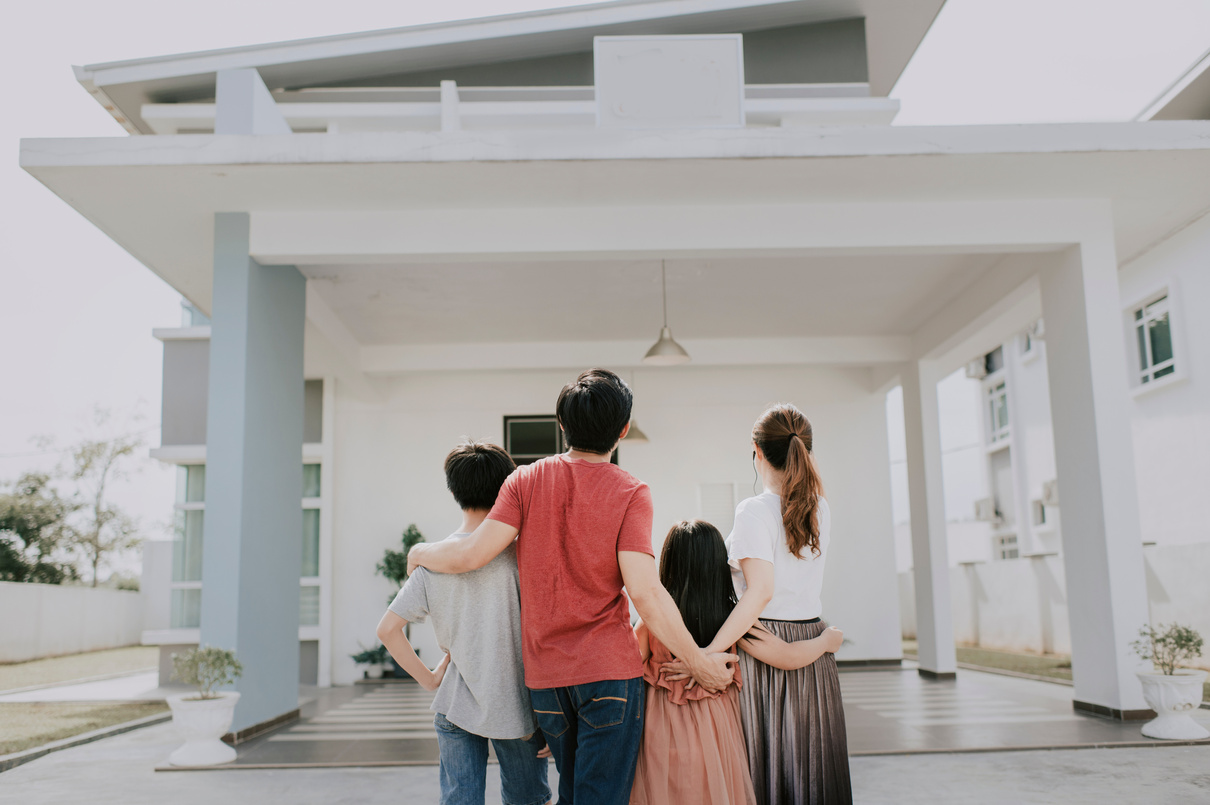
{"x": 692, "y": 753}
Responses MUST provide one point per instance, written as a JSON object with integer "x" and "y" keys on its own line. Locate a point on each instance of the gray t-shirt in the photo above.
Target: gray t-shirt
{"x": 477, "y": 619}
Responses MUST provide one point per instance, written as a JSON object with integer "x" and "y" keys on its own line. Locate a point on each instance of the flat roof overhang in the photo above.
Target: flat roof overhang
{"x": 434, "y": 197}
{"x": 894, "y": 29}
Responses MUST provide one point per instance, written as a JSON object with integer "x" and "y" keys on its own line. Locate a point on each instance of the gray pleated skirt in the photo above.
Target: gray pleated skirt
{"x": 794, "y": 726}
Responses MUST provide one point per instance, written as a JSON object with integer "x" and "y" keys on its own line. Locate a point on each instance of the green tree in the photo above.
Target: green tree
{"x": 394, "y": 564}
{"x": 34, "y": 530}
{"x": 102, "y": 530}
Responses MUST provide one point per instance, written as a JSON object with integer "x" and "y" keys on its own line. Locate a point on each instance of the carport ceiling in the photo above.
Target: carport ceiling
{"x": 874, "y": 295}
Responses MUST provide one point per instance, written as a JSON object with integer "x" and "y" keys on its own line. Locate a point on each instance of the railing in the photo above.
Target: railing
{"x": 453, "y": 108}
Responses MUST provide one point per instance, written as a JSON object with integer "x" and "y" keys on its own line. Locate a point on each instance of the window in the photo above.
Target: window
{"x": 1006, "y": 547}
{"x": 994, "y": 360}
{"x": 186, "y": 600}
{"x": 185, "y": 611}
{"x": 529, "y": 438}
{"x": 997, "y": 412}
{"x": 1153, "y": 336}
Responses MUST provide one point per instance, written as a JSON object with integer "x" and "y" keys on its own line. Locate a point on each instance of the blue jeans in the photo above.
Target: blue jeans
{"x": 593, "y": 731}
{"x": 464, "y": 767}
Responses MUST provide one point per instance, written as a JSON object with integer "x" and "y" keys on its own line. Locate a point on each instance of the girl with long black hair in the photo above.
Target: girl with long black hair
{"x": 693, "y": 742}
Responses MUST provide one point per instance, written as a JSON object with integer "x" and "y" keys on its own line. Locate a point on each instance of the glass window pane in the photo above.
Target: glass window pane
{"x": 195, "y": 483}
{"x": 310, "y": 542}
{"x": 533, "y": 437}
{"x": 1167, "y": 370}
{"x": 1141, "y": 332}
{"x": 186, "y": 609}
{"x": 311, "y": 480}
{"x": 1138, "y": 314}
{"x": 187, "y": 548}
{"x": 1161, "y": 339}
{"x": 308, "y": 606}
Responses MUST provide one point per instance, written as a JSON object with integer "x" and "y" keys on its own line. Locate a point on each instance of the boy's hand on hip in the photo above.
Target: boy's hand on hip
{"x": 438, "y": 674}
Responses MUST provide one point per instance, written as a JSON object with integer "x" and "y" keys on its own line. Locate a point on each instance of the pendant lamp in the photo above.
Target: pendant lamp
{"x": 665, "y": 351}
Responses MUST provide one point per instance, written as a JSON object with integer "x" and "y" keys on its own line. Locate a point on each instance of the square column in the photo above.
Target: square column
{"x": 252, "y": 555}
{"x": 1094, "y": 454}
{"x": 926, "y": 495}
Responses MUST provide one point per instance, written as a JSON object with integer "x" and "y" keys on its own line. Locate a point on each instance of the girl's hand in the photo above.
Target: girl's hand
{"x": 438, "y": 673}
{"x": 675, "y": 670}
{"x": 832, "y": 639}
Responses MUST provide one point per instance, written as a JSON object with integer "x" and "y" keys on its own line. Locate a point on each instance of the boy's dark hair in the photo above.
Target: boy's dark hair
{"x": 593, "y": 409}
{"x": 475, "y": 471}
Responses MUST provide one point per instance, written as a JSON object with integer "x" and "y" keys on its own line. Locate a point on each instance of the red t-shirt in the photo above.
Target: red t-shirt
{"x": 574, "y": 516}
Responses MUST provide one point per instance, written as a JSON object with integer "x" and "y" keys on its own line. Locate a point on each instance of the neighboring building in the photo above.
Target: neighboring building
{"x": 407, "y": 236}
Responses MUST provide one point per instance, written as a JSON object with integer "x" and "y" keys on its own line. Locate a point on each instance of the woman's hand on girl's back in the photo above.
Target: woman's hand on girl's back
{"x": 833, "y": 638}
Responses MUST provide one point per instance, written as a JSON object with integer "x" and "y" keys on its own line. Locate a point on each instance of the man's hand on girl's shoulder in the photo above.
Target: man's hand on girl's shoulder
{"x": 414, "y": 557}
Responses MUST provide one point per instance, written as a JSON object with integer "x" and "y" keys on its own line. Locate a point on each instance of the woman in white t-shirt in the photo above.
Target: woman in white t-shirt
{"x": 793, "y": 720}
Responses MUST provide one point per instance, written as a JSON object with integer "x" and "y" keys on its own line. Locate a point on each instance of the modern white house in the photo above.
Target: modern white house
{"x": 1002, "y": 498}
{"x": 394, "y": 239}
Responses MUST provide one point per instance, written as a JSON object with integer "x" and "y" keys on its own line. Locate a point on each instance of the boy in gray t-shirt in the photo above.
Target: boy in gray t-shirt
{"x": 480, "y": 684}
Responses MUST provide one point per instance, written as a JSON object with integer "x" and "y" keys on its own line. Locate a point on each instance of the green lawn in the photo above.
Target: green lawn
{"x": 24, "y": 725}
{"x": 1057, "y": 666}
{"x": 77, "y": 666}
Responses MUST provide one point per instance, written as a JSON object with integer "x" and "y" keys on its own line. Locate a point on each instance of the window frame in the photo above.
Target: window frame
{"x": 996, "y": 437}
{"x": 1169, "y": 291}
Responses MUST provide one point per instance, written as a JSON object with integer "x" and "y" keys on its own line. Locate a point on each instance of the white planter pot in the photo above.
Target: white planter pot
{"x": 202, "y": 723}
{"x": 1173, "y": 698}
{"x": 374, "y": 671}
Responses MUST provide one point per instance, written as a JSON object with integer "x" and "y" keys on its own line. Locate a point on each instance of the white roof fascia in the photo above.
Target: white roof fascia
{"x": 1199, "y": 68}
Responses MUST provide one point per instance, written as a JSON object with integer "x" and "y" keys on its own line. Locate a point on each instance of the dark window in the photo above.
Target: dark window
{"x": 529, "y": 438}
{"x": 994, "y": 360}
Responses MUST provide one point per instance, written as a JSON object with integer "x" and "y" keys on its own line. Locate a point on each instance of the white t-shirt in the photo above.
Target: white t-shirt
{"x": 758, "y": 533}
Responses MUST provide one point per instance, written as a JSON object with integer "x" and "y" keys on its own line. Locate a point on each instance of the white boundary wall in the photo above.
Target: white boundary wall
{"x": 1021, "y": 604}
{"x": 47, "y": 620}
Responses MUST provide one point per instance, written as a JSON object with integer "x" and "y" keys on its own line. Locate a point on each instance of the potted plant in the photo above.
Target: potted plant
{"x": 394, "y": 566}
{"x": 1173, "y": 692}
{"x": 373, "y": 659}
{"x": 203, "y": 718}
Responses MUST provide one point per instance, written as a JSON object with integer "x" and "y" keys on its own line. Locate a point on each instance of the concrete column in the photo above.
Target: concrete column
{"x": 252, "y": 559}
{"x": 1102, "y": 541}
{"x": 244, "y": 105}
{"x": 930, "y": 550}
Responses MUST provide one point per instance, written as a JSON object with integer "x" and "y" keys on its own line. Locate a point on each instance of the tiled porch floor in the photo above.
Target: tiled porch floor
{"x": 887, "y": 711}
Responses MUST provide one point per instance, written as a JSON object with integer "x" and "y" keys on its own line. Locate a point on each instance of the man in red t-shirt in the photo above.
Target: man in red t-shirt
{"x": 585, "y": 532}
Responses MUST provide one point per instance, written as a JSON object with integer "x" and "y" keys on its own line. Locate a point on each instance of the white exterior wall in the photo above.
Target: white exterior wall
{"x": 1171, "y": 419}
{"x": 1021, "y": 604}
{"x": 56, "y": 620}
{"x": 390, "y": 454}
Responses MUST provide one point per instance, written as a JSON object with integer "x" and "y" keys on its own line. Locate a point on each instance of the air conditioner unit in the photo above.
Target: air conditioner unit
{"x": 977, "y": 369}
{"x": 985, "y": 511}
{"x": 1050, "y": 493}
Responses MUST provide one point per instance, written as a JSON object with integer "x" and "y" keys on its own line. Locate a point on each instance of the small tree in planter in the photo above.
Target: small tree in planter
{"x": 204, "y": 717}
{"x": 1171, "y": 691}
{"x": 374, "y": 659}
{"x": 394, "y": 564}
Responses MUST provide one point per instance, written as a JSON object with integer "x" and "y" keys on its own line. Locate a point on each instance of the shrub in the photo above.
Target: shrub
{"x": 1168, "y": 646}
{"x": 372, "y": 656}
{"x": 206, "y": 668}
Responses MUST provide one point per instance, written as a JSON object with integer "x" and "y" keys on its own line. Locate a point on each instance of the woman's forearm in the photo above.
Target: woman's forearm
{"x": 758, "y": 574}
{"x": 772, "y": 650}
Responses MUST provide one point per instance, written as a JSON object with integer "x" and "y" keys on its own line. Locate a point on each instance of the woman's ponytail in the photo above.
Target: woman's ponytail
{"x": 784, "y": 436}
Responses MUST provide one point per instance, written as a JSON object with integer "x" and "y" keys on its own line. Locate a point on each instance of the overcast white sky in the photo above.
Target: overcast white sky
{"x": 76, "y": 312}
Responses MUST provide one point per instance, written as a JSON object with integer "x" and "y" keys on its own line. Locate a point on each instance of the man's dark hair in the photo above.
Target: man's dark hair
{"x": 593, "y": 409}
{"x": 475, "y": 471}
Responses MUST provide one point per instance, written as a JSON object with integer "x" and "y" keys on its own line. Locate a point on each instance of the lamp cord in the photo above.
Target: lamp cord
{"x": 664, "y": 286}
